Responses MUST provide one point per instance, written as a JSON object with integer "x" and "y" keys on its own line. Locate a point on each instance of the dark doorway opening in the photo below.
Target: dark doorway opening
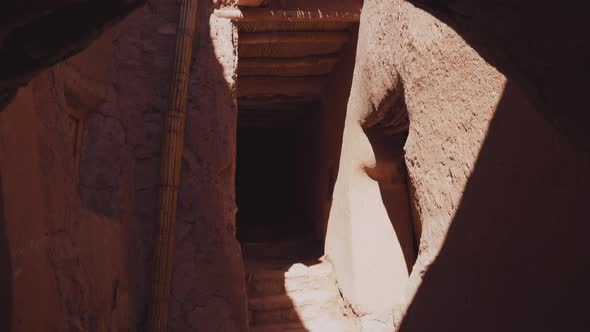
{"x": 273, "y": 189}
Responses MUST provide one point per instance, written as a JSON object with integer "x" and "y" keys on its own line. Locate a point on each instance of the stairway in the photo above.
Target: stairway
{"x": 288, "y": 291}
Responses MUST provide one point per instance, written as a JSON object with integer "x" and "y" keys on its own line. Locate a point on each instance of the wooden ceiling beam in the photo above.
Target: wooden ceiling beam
{"x": 262, "y": 38}
{"x": 249, "y": 3}
{"x": 290, "y": 44}
{"x": 277, "y": 103}
{"x": 270, "y": 118}
{"x": 281, "y": 86}
{"x": 302, "y": 66}
{"x": 289, "y": 16}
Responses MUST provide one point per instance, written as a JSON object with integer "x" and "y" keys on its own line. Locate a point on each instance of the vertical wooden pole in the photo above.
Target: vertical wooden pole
{"x": 172, "y": 146}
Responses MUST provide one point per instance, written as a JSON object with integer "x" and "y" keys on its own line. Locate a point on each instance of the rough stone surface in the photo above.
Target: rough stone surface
{"x": 209, "y": 291}
{"x": 536, "y": 46}
{"x": 79, "y": 216}
{"x": 293, "y": 291}
{"x": 498, "y": 179}
{"x": 69, "y": 267}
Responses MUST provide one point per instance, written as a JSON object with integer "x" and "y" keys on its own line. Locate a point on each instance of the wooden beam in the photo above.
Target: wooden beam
{"x": 277, "y": 103}
{"x": 290, "y": 44}
{"x": 303, "y": 66}
{"x": 287, "y": 50}
{"x": 271, "y": 118}
{"x": 262, "y": 38}
{"x": 290, "y": 16}
{"x": 249, "y": 3}
{"x": 280, "y": 86}
{"x": 289, "y": 27}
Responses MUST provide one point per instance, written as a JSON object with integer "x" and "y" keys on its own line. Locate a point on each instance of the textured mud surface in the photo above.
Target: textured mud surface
{"x": 497, "y": 173}
{"x": 35, "y": 35}
{"x": 80, "y": 209}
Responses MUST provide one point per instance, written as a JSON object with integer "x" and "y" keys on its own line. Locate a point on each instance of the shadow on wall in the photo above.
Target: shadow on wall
{"x": 5, "y": 272}
{"x": 540, "y": 47}
{"x": 516, "y": 256}
{"x": 205, "y": 229}
{"x": 120, "y": 173}
{"x": 37, "y": 35}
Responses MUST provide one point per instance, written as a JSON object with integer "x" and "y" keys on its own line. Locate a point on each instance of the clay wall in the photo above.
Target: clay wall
{"x": 79, "y": 162}
{"x": 499, "y": 187}
{"x": 68, "y": 266}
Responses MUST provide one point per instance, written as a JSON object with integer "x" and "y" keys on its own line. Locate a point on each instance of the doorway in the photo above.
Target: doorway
{"x": 273, "y": 187}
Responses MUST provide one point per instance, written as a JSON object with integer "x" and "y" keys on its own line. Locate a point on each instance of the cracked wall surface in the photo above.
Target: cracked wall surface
{"x": 80, "y": 211}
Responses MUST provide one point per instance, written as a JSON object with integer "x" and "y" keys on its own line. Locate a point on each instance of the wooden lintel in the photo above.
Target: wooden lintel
{"x": 334, "y": 37}
{"x": 291, "y": 16}
{"x": 303, "y": 66}
{"x": 289, "y": 62}
{"x": 273, "y": 118}
{"x": 249, "y": 3}
{"x": 277, "y": 104}
{"x": 280, "y": 86}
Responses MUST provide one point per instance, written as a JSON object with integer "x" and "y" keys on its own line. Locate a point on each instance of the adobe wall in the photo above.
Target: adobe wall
{"x": 41, "y": 33}
{"x": 499, "y": 190}
{"x": 209, "y": 292}
{"x": 80, "y": 239}
{"x": 68, "y": 267}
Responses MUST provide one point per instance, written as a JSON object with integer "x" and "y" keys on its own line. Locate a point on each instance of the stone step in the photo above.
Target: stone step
{"x": 266, "y": 287}
{"x": 341, "y": 325}
{"x": 301, "y": 306}
{"x": 307, "y": 315}
{"x": 281, "y": 249}
{"x": 287, "y": 270}
{"x": 307, "y": 299}
{"x": 280, "y": 327}
{"x": 291, "y": 290}
{"x": 295, "y": 278}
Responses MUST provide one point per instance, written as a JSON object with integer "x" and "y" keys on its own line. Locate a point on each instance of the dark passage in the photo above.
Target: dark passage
{"x": 290, "y": 286}
{"x": 265, "y": 182}
{"x": 271, "y": 186}
{"x": 273, "y": 224}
